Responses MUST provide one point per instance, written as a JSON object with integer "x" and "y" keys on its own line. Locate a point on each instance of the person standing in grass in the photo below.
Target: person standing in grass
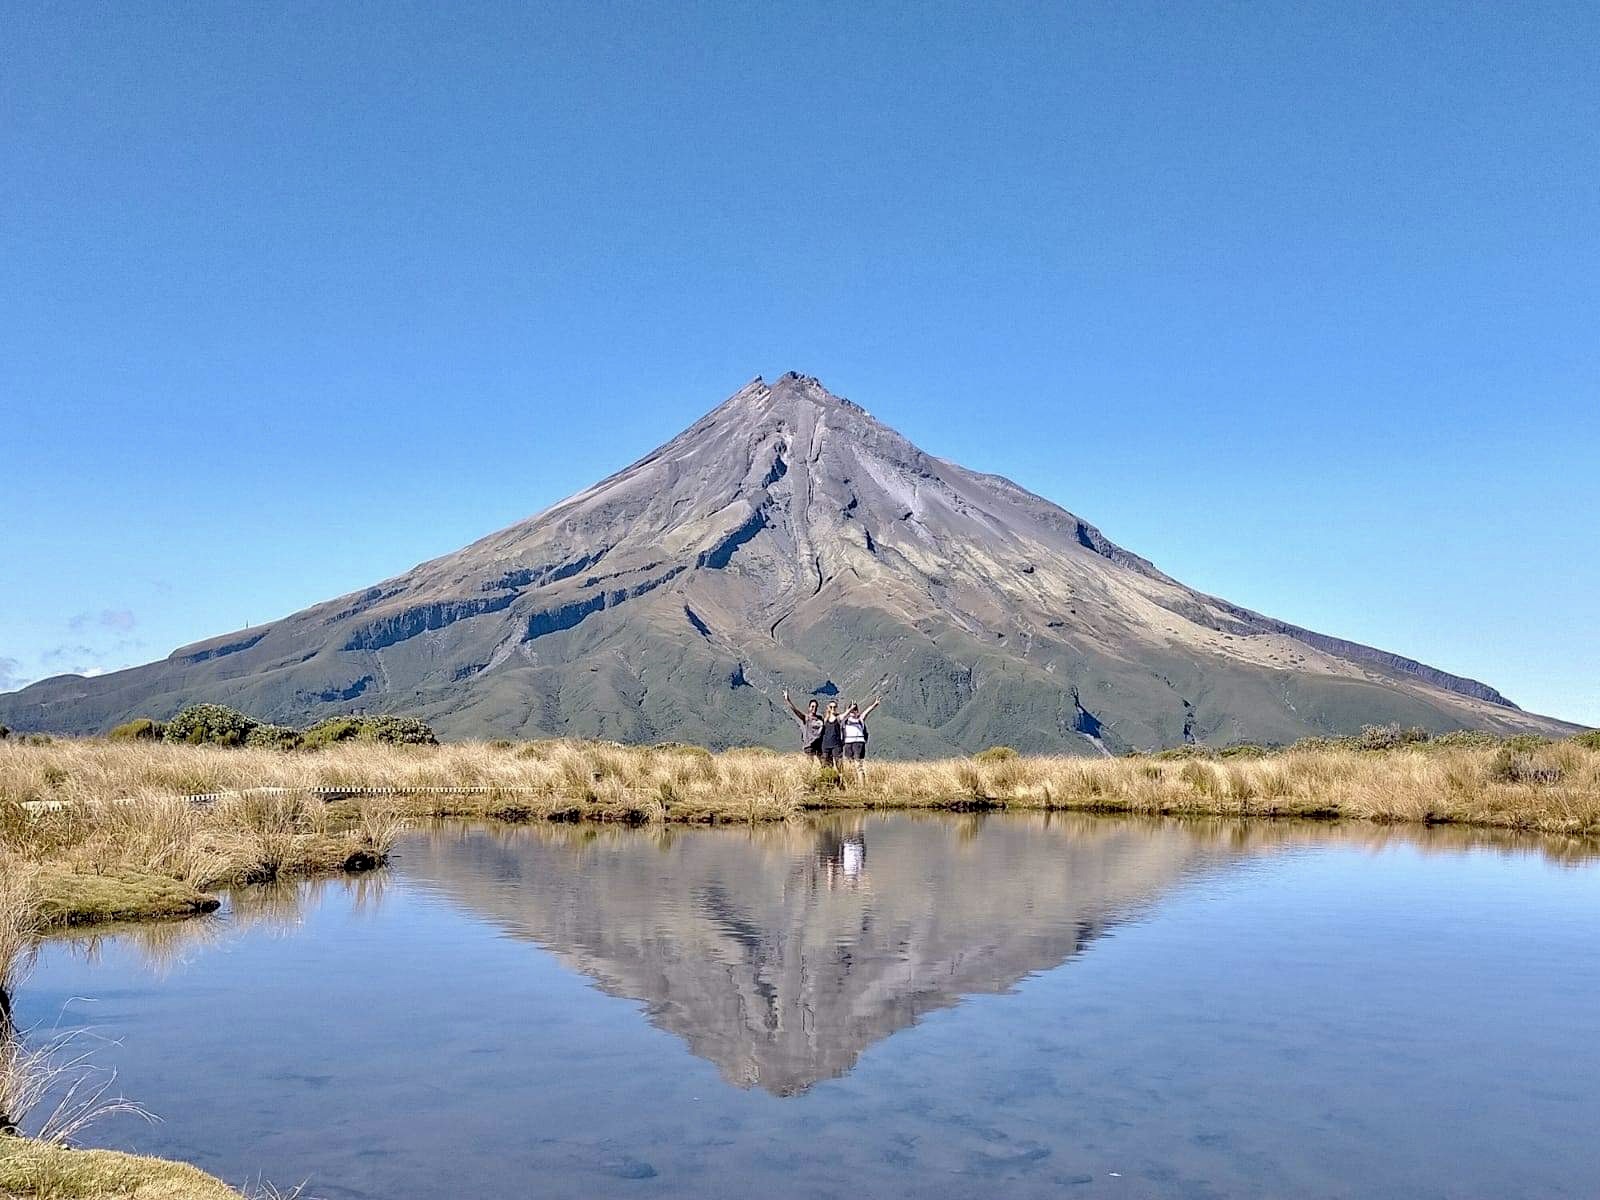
{"x": 810, "y": 726}
{"x": 853, "y": 730}
{"x": 832, "y": 745}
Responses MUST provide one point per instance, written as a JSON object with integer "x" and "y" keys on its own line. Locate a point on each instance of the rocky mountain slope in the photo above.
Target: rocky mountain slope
{"x": 788, "y": 539}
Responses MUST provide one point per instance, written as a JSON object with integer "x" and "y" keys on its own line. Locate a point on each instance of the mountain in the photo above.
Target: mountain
{"x": 788, "y": 539}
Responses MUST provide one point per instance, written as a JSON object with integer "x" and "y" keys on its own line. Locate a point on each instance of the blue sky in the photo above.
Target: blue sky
{"x": 1300, "y": 301}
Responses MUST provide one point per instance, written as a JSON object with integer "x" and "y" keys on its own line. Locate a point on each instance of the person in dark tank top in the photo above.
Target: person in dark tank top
{"x": 832, "y": 744}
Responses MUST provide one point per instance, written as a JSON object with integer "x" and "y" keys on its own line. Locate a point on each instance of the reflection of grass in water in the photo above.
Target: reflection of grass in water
{"x": 19, "y": 923}
{"x": 271, "y": 910}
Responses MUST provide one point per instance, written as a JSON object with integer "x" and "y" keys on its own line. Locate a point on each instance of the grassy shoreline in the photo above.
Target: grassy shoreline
{"x": 56, "y": 799}
{"x": 95, "y": 831}
{"x": 101, "y": 830}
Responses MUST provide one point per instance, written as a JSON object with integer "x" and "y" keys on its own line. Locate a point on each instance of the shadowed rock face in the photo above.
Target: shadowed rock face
{"x": 781, "y": 954}
{"x": 787, "y": 539}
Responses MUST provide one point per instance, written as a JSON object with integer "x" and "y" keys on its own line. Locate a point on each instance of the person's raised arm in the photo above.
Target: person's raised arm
{"x": 798, "y": 715}
{"x": 865, "y": 712}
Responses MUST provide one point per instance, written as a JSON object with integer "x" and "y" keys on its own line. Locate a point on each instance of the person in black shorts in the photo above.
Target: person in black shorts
{"x": 853, "y": 734}
{"x": 831, "y": 748}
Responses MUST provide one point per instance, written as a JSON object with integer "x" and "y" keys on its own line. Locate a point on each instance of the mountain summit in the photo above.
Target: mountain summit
{"x": 788, "y": 539}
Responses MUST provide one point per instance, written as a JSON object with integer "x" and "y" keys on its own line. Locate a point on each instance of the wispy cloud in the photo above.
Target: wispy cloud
{"x": 118, "y": 620}
{"x": 68, "y": 652}
{"x": 11, "y": 675}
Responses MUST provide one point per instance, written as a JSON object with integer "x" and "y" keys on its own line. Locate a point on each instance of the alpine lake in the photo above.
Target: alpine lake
{"x": 873, "y": 1005}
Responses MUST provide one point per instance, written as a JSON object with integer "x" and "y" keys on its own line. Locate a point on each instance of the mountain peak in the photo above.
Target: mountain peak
{"x": 788, "y": 540}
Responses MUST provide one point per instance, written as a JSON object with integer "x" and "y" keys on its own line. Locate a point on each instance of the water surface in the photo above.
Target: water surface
{"x": 898, "y": 1005}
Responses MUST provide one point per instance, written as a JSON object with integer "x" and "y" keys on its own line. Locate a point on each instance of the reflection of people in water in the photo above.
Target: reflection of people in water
{"x": 843, "y": 856}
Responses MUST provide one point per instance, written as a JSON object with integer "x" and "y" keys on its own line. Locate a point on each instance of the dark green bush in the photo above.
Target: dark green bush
{"x": 1589, "y": 739}
{"x": 209, "y": 724}
{"x": 140, "y": 729}
{"x": 400, "y": 731}
{"x": 273, "y": 737}
{"x": 995, "y": 754}
{"x": 1184, "y": 753}
{"x": 4, "y": 733}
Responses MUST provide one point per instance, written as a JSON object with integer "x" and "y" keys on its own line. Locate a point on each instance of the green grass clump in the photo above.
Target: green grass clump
{"x": 68, "y": 897}
{"x": 1589, "y": 739}
{"x": 140, "y": 729}
{"x": 391, "y": 731}
{"x": 1243, "y": 750}
{"x": 38, "y": 1170}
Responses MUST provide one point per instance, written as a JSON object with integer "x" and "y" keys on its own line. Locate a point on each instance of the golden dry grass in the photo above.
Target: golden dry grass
{"x": 116, "y": 839}
{"x": 1551, "y": 788}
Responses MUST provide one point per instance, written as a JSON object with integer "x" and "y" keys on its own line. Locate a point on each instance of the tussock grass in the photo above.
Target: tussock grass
{"x": 121, "y": 842}
{"x": 1551, "y": 787}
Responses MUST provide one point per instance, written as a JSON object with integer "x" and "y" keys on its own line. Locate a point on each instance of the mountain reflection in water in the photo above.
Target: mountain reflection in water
{"x": 781, "y": 953}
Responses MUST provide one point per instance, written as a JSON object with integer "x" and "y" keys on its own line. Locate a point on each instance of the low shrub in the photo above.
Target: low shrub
{"x": 1465, "y": 739}
{"x": 393, "y": 731}
{"x": 1243, "y": 750}
{"x": 275, "y": 737}
{"x": 1523, "y": 766}
{"x": 400, "y": 731}
{"x": 1526, "y": 742}
{"x": 995, "y": 754}
{"x": 1389, "y": 737}
{"x": 330, "y": 730}
{"x": 140, "y": 729}
{"x": 1589, "y": 739}
{"x": 209, "y": 725}
{"x": 1183, "y": 753}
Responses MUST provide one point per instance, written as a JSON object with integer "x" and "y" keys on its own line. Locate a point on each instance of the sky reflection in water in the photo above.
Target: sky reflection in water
{"x": 885, "y": 1005}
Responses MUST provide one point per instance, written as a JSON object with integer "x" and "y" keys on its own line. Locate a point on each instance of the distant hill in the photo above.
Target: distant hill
{"x": 788, "y": 539}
